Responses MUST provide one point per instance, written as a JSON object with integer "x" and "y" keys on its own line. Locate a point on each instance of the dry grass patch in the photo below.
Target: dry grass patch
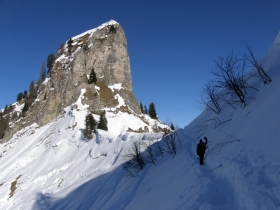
{"x": 106, "y": 95}
{"x": 14, "y": 187}
{"x": 59, "y": 184}
{"x": 88, "y": 95}
{"x": 85, "y": 38}
{"x": 140, "y": 130}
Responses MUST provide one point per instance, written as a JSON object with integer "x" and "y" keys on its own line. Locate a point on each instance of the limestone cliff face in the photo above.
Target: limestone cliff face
{"x": 103, "y": 49}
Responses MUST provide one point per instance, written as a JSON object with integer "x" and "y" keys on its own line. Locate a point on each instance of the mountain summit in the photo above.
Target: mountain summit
{"x": 100, "y": 53}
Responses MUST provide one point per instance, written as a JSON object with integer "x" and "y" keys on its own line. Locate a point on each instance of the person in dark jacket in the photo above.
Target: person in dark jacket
{"x": 200, "y": 150}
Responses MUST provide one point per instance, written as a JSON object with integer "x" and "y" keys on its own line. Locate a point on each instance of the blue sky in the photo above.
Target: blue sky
{"x": 171, "y": 44}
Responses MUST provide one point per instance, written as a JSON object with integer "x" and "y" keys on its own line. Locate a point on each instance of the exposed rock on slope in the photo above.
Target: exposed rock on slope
{"x": 103, "y": 49}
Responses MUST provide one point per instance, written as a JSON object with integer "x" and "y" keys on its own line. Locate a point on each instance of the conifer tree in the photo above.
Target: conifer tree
{"x": 69, "y": 45}
{"x": 145, "y": 110}
{"x": 25, "y": 94}
{"x": 152, "y": 111}
{"x": 90, "y": 125}
{"x": 112, "y": 29}
{"x": 92, "y": 77}
{"x": 70, "y": 41}
{"x": 172, "y": 127}
{"x": 30, "y": 98}
{"x": 141, "y": 108}
{"x": 50, "y": 61}
{"x": 102, "y": 122}
{"x": 19, "y": 96}
{"x": 25, "y": 107}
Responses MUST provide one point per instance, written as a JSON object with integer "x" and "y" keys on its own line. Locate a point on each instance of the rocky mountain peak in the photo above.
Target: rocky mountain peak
{"x": 102, "y": 50}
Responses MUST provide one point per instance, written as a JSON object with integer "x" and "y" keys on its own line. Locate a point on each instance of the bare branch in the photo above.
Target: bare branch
{"x": 159, "y": 149}
{"x": 218, "y": 121}
{"x": 219, "y": 166}
{"x": 229, "y": 135}
{"x": 127, "y": 167}
{"x": 151, "y": 158}
{"x": 229, "y": 74}
{"x": 228, "y": 142}
{"x": 210, "y": 97}
{"x": 257, "y": 64}
{"x": 134, "y": 157}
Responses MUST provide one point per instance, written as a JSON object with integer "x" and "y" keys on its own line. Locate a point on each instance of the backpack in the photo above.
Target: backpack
{"x": 201, "y": 147}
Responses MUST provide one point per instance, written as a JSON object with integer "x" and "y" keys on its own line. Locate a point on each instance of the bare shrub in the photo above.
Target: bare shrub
{"x": 159, "y": 149}
{"x": 230, "y": 77}
{"x": 134, "y": 158}
{"x": 251, "y": 58}
{"x": 170, "y": 144}
{"x": 150, "y": 154}
{"x": 210, "y": 97}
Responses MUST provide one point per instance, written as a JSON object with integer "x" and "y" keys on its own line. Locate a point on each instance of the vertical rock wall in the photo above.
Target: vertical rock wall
{"x": 103, "y": 49}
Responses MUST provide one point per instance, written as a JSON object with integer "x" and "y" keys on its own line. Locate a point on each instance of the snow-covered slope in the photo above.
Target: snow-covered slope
{"x": 56, "y": 158}
{"x": 53, "y": 167}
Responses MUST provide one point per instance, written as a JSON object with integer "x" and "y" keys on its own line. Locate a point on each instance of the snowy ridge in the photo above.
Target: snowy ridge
{"x": 65, "y": 58}
{"x": 111, "y": 22}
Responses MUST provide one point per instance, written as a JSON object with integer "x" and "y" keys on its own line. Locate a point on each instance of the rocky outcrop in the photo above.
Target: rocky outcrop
{"x": 103, "y": 49}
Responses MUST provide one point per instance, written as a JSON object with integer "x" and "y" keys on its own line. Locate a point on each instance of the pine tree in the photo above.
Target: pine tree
{"x": 25, "y": 94}
{"x": 70, "y": 41}
{"x": 19, "y": 96}
{"x": 92, "y": 122}
{"x": 90, "y": 125}
{"x": 141, "y": 108}
{"x": 145, "y": 110}
{"x": 112, "y": 29}
{"x": 29, "y": 99}
{"x": 172, "y": 127}
{"x": 152, "y": 111}
{"x": 92, "y": 77}
{"x": 102, "y": 122}
{"x": 69, "y": 45}
{"x": 50, "y": 61}
{"x": 25, "y": 107}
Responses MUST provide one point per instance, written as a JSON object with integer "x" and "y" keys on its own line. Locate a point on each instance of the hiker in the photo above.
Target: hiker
{"x": 200, "y": 150}
{"x": 165, "y": 133}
